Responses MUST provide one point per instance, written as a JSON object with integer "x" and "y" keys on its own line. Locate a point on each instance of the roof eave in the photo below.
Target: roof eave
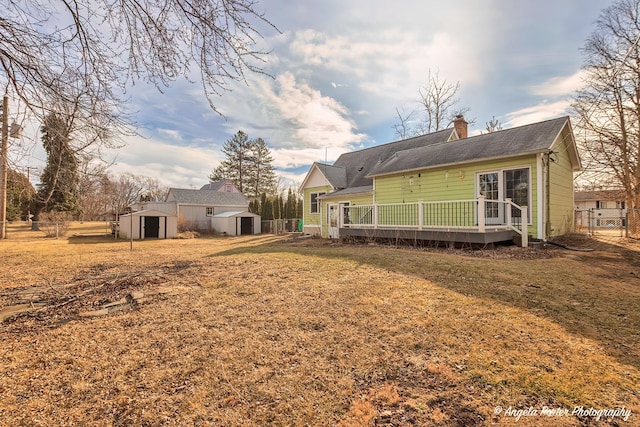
{"x": 349, "y": 194}
{"x": 306, "y": 178}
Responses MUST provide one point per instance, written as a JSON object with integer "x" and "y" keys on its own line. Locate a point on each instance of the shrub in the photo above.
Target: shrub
{"x": 54, "y": 224}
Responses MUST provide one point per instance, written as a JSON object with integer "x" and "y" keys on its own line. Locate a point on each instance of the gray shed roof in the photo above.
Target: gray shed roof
{"x": 147, "y": 212}
{"x": 529, "y": 139}
{"x": 207, "y": 197}
{"x": 235, "y": 213}
{"x": 359, "y": 164}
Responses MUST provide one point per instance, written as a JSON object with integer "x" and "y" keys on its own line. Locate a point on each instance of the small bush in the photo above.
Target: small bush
{"x": 54, "y": 224}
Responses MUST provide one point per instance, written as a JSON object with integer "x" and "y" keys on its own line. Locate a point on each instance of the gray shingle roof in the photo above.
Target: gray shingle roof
{"x": 359, "y": 164}
{"x": 334, "y": 174}
{"x": 529, "y": 139}
{"x": 599, "y": 195}
{"x": 208, "y": 197}
{"x": 351, "y": 190}
{"x": 215, "y": 186}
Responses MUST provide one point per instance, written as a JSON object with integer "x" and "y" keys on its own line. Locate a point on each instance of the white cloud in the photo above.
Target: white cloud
{"x": 292, "y": 158}
{"x": 171, "y": 133}
{"x": 560, "y": 86}
{"x": 289, "y": 113}
{"x": 537, "y": 113}
{"x": 390, "y": 64}
{"x": 173, "y": 165}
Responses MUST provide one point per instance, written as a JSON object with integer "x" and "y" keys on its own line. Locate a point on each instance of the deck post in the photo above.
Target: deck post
{"x": 375, "y": 215}
{"x": 524, "y": 226}
{"x": 507, "y": 214}
{"x": 420, "y": 215}
{"x": 481, "y": 214}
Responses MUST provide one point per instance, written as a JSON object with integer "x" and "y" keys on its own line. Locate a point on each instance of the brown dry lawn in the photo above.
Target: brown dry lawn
{"x": 262, "y": 330}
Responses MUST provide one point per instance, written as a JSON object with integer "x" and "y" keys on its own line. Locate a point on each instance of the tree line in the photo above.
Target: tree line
{"x": 74, "y": 183}
{"x": 277, "y": 206}
{"x": 80, "y": 185}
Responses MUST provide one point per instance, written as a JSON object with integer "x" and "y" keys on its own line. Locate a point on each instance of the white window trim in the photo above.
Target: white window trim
{"x": 318, "y": 204}
{"x": 207, "y": 211}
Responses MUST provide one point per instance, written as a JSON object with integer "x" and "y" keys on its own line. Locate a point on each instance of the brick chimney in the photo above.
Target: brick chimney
{"x": 460, "y": 125}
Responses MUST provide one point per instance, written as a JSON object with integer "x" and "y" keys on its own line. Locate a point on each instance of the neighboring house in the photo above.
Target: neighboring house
{"x": 196, "y": 209}
{"x": 445, "y": 186}
{"x": 600, "y": 209}
{"x": 224, "y": 185}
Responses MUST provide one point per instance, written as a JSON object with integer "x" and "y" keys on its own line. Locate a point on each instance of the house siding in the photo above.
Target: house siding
{"x": 561, "y": 217}
{"x": 452, "y": 183}
{"x": 195, "y": 216}
{"x": 353, "y": 200}
{"x": 313, "y": 221}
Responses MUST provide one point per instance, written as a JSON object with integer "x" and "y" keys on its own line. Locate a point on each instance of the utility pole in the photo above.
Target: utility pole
{"x": 4, "y": 153}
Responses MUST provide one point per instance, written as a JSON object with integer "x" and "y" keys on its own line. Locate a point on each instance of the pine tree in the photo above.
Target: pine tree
{"x": 58, "y": 188}
{"x": 237, "y": 162}
{"x": 248, "y": 164}
{"x": 254, "y": 206}
{"x": 289, "y": 205}
{"x": 299, "y": 206}
{"x": 261, "y": 173}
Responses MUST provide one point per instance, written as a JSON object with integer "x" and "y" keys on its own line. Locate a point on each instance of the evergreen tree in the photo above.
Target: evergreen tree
{"x": 299, "y": 207}
{"x": 19, "y": 195}
{"x": 277, "y": 211}
{"x": 289, "y": 205}
{"x": 263, "y": 205}
{"x": 58, "y": 188}
{"x": 261, "y": 173}
{"x": 254, "y": 206}
{"x": 237, "y": 163}
{"x": 248, "y": 163}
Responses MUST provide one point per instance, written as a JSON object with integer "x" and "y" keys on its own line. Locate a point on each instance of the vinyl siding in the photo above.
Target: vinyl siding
{"x": 450, "y": 183}
{"x": 313, "y": 221}
{"x": 353, "y": 200}
{"x": 561, "y": 214}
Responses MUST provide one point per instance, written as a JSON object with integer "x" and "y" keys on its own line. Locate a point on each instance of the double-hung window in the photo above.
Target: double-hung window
{"x": 315, "y": 203}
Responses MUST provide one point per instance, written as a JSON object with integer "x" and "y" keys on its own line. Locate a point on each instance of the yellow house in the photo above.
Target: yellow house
{"x": 446, "y": 186}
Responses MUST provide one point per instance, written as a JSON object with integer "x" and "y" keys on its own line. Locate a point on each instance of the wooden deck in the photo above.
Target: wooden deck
{"x": 474, "y": 221}
{"x": 432, "y": 235}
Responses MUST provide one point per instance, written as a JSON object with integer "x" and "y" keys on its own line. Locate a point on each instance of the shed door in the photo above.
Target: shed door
{"x": 246, "y": 225}
{"x": 151, "y": 226}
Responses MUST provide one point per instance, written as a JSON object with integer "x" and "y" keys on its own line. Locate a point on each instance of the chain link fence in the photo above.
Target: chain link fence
{"x": 613, "y": 222}
{"x": 633, "y": 223}
{"x": 280, "y": 226}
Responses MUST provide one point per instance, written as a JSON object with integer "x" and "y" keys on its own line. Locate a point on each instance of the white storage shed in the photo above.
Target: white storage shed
{"x": 236, "y": 223}
{"x": 148, "y": 224}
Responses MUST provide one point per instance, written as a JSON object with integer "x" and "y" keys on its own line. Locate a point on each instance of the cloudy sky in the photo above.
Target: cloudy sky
{"x": 340, "y": 68}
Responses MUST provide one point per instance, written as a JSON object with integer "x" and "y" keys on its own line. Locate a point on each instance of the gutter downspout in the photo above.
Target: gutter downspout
{"x": 547, "y": 185}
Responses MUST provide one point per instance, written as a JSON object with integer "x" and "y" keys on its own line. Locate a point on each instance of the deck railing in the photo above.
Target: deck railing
{"x": 474, "y": 214}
